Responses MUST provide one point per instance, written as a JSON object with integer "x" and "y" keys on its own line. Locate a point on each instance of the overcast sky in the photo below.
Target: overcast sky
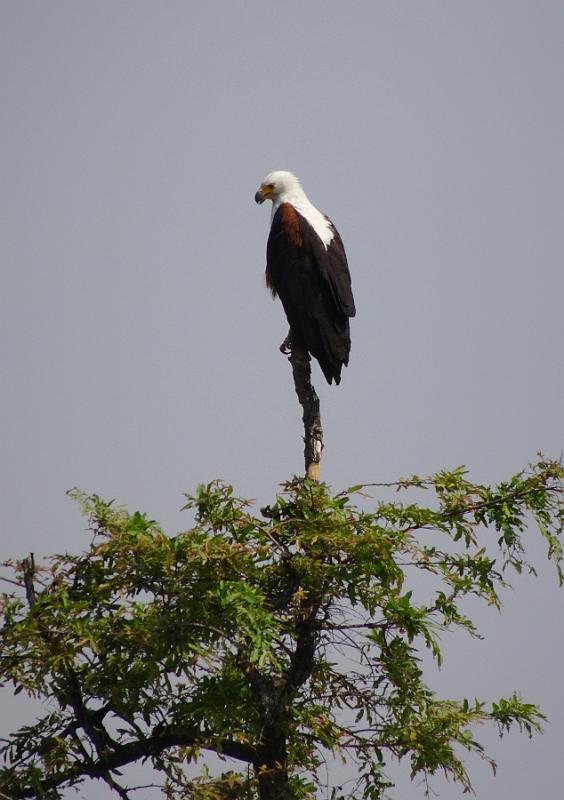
{"x": 140, "y": 346}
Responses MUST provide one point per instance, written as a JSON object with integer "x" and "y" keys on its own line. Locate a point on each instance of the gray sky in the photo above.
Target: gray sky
{"x": 139, "y": 344}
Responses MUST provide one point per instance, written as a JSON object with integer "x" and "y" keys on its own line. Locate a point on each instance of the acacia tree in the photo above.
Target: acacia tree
{"x": 271, "y": 640}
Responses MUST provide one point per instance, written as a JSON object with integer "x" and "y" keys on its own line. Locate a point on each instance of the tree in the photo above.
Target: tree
{"x": 272, "y": 640}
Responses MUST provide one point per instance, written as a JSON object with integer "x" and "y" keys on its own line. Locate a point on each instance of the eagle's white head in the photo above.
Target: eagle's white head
{"x": 280, "y": 186}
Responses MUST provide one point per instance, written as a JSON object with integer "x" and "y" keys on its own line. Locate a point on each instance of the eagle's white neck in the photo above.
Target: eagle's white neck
{"x": 296, "y": 196}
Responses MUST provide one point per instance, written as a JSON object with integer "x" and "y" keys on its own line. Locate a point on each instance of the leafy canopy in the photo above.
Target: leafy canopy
{"x": 273, "y": 641}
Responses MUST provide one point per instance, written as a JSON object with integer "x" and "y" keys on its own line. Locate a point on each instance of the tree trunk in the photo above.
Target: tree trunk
{"x": 271, "y": 766}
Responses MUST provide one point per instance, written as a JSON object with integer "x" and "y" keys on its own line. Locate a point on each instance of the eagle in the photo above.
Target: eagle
{"x": 306, "y": 267}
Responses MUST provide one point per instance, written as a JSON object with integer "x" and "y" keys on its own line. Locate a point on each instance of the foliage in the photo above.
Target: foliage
{"x": 274, "y": 641}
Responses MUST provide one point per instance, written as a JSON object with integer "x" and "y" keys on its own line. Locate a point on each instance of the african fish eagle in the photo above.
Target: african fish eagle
{"x": 307, "y": 268}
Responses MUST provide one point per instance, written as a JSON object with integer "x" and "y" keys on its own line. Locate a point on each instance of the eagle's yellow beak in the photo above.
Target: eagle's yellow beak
{"x": 263, "y": 194}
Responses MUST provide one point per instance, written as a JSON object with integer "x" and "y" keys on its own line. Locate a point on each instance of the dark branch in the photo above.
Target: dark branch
{"x": 128, "y": 753}
{"x": 303, "y": 657}
{"x": 28, "y": 568}
{"x": 123, "y": 793}
{"x": 309, "y": 401}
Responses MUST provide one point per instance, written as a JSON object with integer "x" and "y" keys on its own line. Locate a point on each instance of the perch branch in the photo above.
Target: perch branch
{"x": 309, "y": 401}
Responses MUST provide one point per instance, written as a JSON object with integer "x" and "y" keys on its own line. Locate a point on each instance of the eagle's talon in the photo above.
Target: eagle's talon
{"x": 286, "y": 346}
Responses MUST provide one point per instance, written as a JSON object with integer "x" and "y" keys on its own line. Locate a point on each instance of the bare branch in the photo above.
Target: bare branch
{"x": 313, "y": 432}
